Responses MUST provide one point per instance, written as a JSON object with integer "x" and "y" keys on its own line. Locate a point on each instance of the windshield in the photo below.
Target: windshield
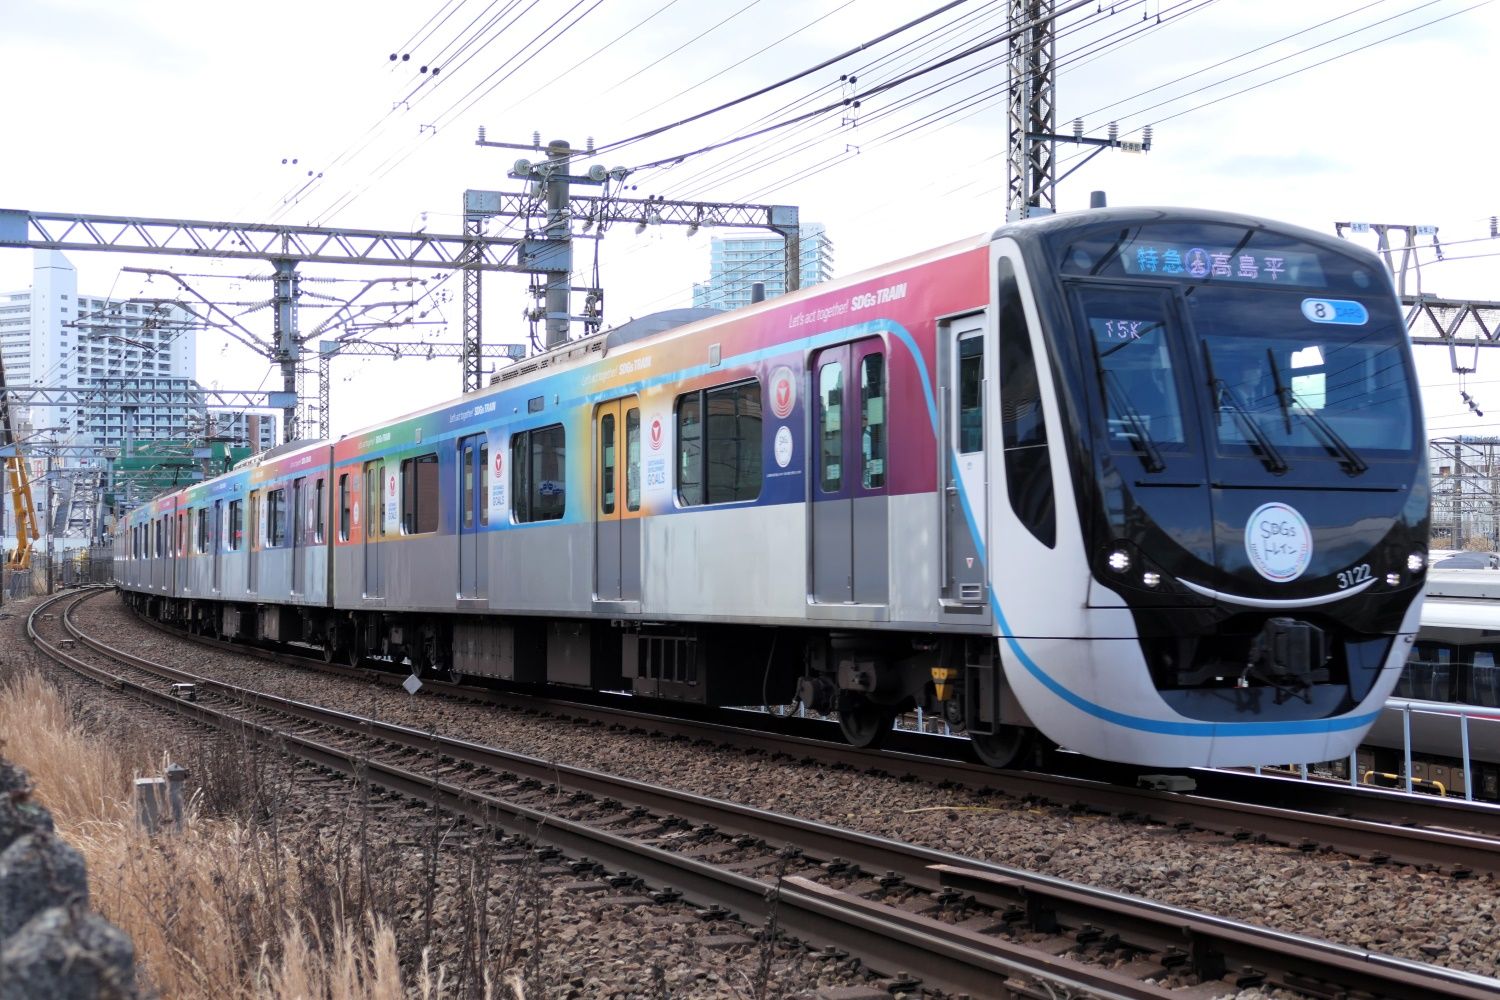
{"x": 1306, "y": 387}
{"x": 1295, "y": 351}
{"x": 1134, "y": 352}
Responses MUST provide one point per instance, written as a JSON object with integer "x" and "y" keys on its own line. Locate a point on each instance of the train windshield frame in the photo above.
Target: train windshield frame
{"x": 1295, "y": 353}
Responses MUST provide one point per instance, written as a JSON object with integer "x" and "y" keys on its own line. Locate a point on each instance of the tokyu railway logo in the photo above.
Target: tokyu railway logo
{"x": 1278, "y": 542}
{"x": 783, "y": 392}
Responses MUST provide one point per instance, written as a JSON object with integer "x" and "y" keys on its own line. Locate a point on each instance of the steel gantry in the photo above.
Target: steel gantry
{"x": 395, "y": 350}
{"x": 284, "y": 246}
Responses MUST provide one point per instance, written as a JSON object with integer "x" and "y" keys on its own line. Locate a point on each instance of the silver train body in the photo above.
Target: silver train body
{"x": 1030, "y": 482}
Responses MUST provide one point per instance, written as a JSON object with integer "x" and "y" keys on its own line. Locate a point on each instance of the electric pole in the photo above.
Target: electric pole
{"x": 1031, "y": 161}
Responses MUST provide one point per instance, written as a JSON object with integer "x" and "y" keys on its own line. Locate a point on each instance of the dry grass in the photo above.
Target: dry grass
{"x": 226, "y": 909}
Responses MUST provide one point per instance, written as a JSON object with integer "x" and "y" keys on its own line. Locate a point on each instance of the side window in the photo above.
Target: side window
{"x": 538, "y": 474}
{"x": 719, "y": 444}
{"x": 275, "y": 518}
{"x": 633, "y": 459}
{"x": 466, "y": 485}
{"x": 236, "y": 523}
{"x": 320, "y": 511}
{"x": 607, "y": 463}
{"x": 202, "y": 529}
{"x": 971, "y": 394}
{"x": 344, "y": 507}
{"x": 484, "y": 484}
{"x": 419, "y": 494}
{"x": 1023, "y": 432}
{"x": 181, "y": 549}
{"x": 872, "y": 421}
{"x": 831, "y": 427}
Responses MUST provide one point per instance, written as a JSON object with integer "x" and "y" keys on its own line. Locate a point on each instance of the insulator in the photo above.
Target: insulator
{"x": 536, "y": 138}
{"x": 1146, "y": 136}
{"x": 1114, "y": 131}
{"x": 1078, "y": 128}
{"x": 481, "y": 133}
{"x": 588, "y": 145}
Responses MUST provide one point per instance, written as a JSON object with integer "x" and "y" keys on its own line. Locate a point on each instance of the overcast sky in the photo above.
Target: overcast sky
{"x": 197, "y": 110}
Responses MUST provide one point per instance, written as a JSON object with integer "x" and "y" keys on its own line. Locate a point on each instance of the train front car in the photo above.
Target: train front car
{"x": 1249, "y": 492}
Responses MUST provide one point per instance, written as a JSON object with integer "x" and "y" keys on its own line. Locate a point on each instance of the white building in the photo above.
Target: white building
{"x": 240, "y": 428}
{"x": 738, "y": 262}
{"x": 53, "y": 337}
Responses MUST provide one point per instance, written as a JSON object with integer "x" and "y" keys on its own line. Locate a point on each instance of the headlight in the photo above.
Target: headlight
{"x": 1119, "y": 560}
{"x": 1151, "y": 579}
{"x": 1415, "y": 562}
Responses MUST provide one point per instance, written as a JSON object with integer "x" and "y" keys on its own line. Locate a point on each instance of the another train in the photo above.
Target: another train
{"x": 1151, "y": 482}
{"x": 1453, "y": 675}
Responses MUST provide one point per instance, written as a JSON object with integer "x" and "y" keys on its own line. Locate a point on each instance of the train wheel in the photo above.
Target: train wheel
{"x": 863, "y": 722}
{"x": 1006, "y": 747}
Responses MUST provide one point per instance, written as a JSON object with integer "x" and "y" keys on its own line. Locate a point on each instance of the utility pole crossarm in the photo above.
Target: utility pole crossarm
{"x": 417, "y": 349}
{"x": 253, "y": 241}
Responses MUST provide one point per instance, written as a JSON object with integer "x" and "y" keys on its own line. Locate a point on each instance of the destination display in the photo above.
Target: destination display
{"x": 1203, "y": 263}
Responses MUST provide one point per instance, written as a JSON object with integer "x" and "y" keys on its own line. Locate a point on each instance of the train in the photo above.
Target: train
{"x": 1148, "y": 484}
{"x": 1446, "y": 707}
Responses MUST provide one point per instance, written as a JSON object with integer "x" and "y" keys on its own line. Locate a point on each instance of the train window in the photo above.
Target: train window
{"x": 872, "y": 421}
{"x": 466, "y": 484}
{"x": 275, "y": 518}
{"x": 202, "y": 529}
{"x": 318, "y": 512}
{"x": 484, "y": 484}
{"x": 1484, "y": 680}
{"x": 538, "y": 474}
{"x": 970, "y": 394}
{"x": 1023, "y": 432}
{"x": 831, "y": 426}
{"x": 419, "y": 494}
{"x": 160, "y": 532}
{"x": 632, "y": 459}
{"x": 719, "y": 444}
{"x": 181, "y": 549}
{"x": 1429, "y": 672}
{"x": 607, "y": 463}
{"x": 236, "y": 524}
{"x": 344, "y": 507}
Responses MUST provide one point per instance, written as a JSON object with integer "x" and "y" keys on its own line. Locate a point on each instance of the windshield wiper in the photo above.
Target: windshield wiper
{"x": 1149, "y": 453}
{"x": 1222, "y": 394}
{"x": 1349, "y": 459}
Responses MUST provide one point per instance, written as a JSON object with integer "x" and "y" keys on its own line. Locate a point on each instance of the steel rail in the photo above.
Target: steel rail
{"x": 951, "y": 960}
{"x": 1379, "y": 827}
{"x": 1209, "y": 946}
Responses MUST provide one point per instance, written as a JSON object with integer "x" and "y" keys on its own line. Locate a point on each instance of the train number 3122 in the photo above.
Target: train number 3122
{"x": 1353, "y": 575}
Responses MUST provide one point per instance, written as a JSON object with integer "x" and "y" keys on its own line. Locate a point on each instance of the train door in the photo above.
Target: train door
{"x": 473, "y": 516}
{"x": 617, "y": 505}
{"x": 216, "y": 536}
{"x": 299, "y": 550}
{"x": 257, "y": 538}
{"x": 374, "y": 525}
{"x": 850, "y": 517}
{"x": 964, "y": 505}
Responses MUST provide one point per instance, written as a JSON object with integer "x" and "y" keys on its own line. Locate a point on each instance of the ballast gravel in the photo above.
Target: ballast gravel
{"x": 1423, "y": 916}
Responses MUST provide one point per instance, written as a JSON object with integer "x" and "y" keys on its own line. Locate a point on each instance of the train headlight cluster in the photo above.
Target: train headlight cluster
{"x": 1415, "y": 562}
{"x": 1151, "y": 579}
{"x": 1119, "y": 560}
{"x": 1393, "y": 579}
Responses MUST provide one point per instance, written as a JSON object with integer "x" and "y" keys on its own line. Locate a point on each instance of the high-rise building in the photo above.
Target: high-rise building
{"x": 51, "y": 336}
{"x": 738, "y": 262}
{"x": 242, "y": 429}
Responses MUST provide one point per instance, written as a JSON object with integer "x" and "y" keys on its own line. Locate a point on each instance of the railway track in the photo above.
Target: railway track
{"x": 1460, "y": 838}
{"x": 970, "y": 926}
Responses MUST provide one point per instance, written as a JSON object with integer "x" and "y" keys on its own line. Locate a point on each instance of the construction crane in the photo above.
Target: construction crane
{"x": 19, "y": 483}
